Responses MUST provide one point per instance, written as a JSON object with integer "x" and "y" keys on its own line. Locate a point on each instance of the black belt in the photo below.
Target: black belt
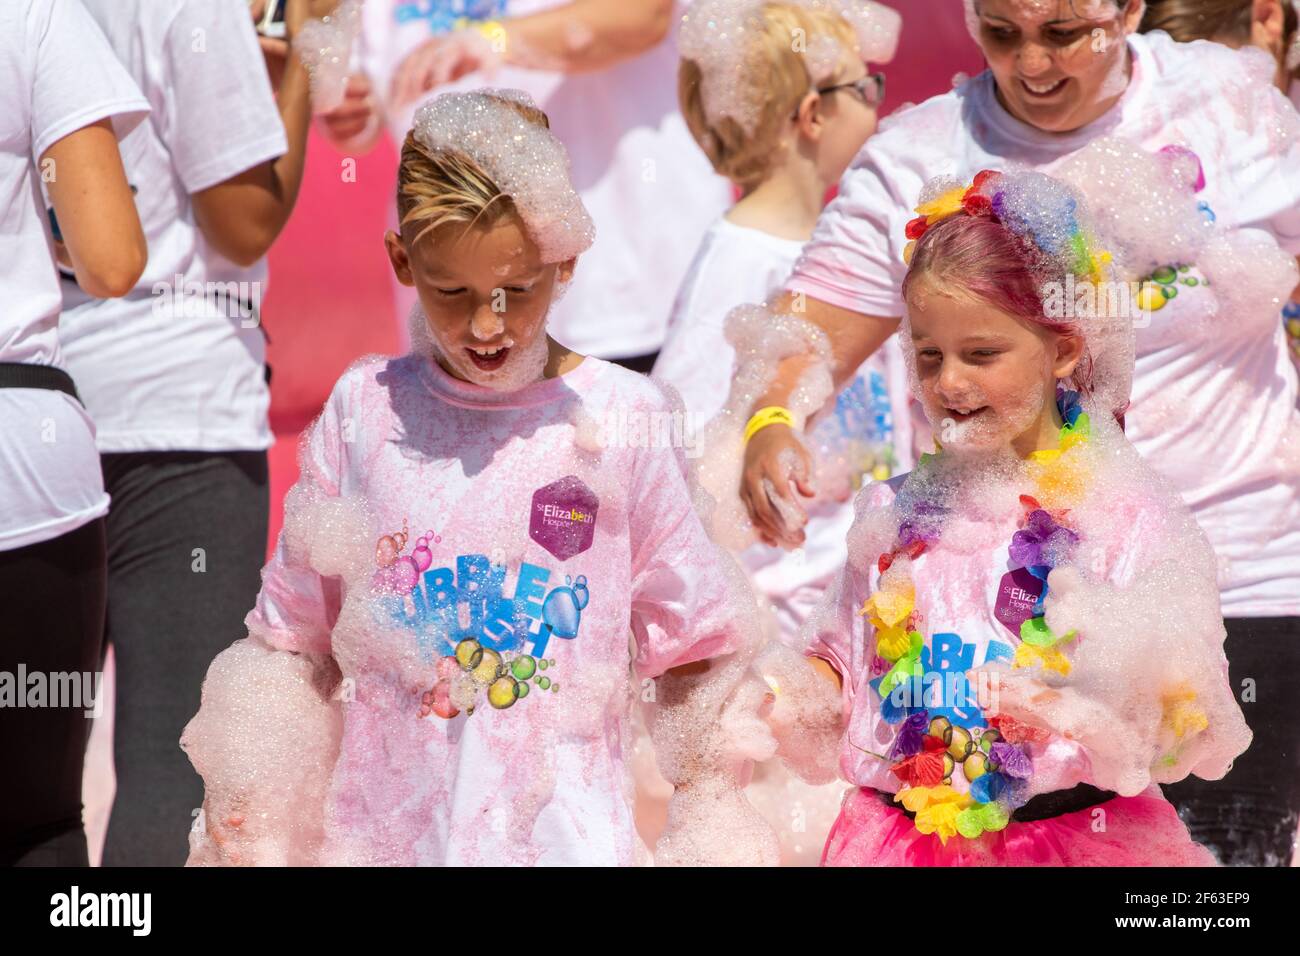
{"x": 21, "y": 375}
{"x": 1042, "y": 807}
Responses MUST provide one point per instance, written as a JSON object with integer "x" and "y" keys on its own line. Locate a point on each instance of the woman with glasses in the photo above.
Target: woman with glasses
{"x": 1213, "y": 401}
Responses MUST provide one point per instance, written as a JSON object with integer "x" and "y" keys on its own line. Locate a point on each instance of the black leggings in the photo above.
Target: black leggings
{"x": 186, "y": 543}
{"x": 1249, "y": 817}
{"x": 51, "y": 622}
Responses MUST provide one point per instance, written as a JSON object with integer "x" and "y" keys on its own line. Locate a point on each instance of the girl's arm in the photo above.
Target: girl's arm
{"x": 1147, "y": 692}
{"x": 96, "y": 211}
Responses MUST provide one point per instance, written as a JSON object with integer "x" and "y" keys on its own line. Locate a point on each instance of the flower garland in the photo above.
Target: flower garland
{"x": 927, "y": 751}
{"x": 984, "y": 198}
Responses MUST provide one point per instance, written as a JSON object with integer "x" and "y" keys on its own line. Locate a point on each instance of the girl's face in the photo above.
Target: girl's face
{"x": 1059, "y": 64}
{"x": 986, "y": 378}
{"x": 485, "y": 294}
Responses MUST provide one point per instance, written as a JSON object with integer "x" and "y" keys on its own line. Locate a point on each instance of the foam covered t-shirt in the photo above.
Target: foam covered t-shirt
{"x": 1213, "y": 403}
{"x": 544, "y": 541}
{"x": 971, "y": 607}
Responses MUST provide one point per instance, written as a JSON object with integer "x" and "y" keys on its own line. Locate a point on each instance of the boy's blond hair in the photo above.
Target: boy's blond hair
{"x": 774, "y": 71}
{"x": 442, "y": 187}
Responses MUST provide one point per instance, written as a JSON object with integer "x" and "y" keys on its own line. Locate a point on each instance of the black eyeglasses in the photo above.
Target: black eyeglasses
{"x": 870, "y": 89}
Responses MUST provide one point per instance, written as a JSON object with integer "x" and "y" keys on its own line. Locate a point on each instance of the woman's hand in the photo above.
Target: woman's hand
{"x": 354, "y": 118}
{"x": 442, "y": 60}
{"x": 774, "y": 458}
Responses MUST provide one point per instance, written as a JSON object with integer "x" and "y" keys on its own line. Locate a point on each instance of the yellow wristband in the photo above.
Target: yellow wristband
{"x": 494, "y": 31}
{"x": 771, "y": 415}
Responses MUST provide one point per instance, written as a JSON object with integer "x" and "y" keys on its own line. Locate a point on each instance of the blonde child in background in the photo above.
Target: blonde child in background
{"x": 781, "y": 110}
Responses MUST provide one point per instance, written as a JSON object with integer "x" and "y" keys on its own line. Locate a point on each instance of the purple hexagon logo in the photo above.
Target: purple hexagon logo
{"x": 563, "y": 519}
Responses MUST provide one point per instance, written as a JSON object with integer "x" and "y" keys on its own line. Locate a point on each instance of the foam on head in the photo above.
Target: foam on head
{"x": 725, "y": 39}
{"x": 504, "y": 134}
{"x": 471, "y": 158}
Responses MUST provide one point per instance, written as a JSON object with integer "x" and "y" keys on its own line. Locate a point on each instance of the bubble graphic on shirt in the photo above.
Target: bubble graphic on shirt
{"x": 474, "y": 671}
{"x": 503, "y": 693}
{"x": 422, "y": 557}
{"x": 562, "y": 609}
{"x": 386, "y": 551}
{"x": 406, "y": 572}
{"x": 488, "y": 668}
{"x": 468, "y": 654}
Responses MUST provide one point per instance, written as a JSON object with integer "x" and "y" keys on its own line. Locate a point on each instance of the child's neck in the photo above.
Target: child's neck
{"x": 786, "y": 204}
{"x": 559, "y": 359}
{"x": 1045, "y": 434}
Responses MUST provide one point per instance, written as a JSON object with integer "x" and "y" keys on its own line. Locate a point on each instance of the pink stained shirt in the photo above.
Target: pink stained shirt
{"x": 958, "y": 581}
{"x": 557, "y": 533}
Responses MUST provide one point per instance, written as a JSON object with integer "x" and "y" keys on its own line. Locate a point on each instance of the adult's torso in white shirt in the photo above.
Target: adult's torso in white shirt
{"x": 1213, "y": 401}
{"x": 56, "y": 76}
{"x": 179, "y": 362}
{"x": 649, "y": 189}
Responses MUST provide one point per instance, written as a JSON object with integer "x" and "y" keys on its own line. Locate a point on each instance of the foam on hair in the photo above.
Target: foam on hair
{"x": 468, "y": 152}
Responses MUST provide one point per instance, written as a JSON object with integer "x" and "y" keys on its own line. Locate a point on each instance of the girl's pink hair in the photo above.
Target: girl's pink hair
{"x": 983, "y": 258}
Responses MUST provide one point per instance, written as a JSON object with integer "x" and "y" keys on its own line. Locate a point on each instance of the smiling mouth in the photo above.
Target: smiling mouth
{"x": 488, "y": 360}
{"x": 1041, "y": 91}
{"x": 964, "y": 415}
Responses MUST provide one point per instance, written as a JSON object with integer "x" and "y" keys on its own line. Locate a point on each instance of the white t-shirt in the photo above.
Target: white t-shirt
{"x": 178, "y": 364}
{"x": 735, "y": 265}
{"x": 648, "y": 187}
{"x": 1214, "y": 410}
{"x": 59, "y": 76}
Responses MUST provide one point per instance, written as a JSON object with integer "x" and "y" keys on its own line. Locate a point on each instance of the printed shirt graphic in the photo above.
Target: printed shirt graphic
{"x": 967, "y": 600}
{"x": 467, "y": 581}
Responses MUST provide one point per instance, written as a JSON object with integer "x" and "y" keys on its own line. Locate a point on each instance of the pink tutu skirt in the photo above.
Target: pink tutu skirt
{"x": 1125, "y": 831}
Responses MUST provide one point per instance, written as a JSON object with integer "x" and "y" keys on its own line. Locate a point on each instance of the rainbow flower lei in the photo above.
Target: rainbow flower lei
{"x": 927, "y": 752}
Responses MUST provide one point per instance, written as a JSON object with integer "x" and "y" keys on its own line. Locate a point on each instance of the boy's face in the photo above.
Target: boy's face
{"x": 486, "y": 294}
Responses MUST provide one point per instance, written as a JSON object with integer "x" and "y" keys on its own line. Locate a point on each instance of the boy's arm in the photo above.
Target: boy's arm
{"x": 266, "y": 737}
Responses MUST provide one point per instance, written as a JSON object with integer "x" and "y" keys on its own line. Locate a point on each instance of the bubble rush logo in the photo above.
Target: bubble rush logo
{"x": 446, "y": 606}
